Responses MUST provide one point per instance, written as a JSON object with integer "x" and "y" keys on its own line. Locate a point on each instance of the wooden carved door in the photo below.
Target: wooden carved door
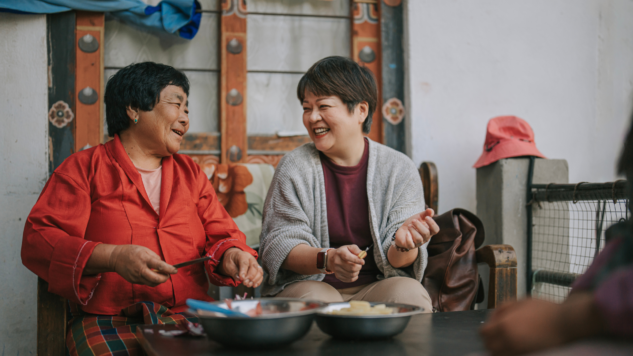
{"x": 244, "y": 65}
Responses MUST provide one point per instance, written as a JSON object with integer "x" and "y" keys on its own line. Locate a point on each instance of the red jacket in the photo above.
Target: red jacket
{"x": 97, "y": 196}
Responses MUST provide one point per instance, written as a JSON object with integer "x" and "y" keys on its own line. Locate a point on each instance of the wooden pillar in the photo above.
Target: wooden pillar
{"x": 61, "y": 86}
{"x": 392, "y": 31}
{"x": 51, "y": 309}
{"x": 234, "y": 143}
{"x": 89, "y": 79}
{"x": 366, "y": 50}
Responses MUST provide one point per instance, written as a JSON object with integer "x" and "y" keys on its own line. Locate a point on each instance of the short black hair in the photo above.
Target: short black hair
{"x": 138, "y": 86}
{"x": 344, "y": 78}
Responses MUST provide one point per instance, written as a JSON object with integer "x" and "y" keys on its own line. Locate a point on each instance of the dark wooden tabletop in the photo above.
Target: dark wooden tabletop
{"x": 444, "y": 334}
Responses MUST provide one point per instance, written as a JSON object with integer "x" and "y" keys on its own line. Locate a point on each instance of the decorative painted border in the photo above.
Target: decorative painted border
{"x": 233, "y": 54}
{"x": 366, "y": 50}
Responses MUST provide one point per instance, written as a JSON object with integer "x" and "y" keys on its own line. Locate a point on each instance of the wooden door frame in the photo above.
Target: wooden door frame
{"x": 379, "y": 29}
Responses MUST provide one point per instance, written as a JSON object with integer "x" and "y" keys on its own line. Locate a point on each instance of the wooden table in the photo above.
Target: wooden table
{"x": 442, "y": 334}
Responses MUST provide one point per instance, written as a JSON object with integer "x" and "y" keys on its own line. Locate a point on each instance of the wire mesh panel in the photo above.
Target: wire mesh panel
{"x": 568, "y": 230}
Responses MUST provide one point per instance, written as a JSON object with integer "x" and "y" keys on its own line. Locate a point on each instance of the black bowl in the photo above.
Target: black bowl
{"x": 292, "y": 320}
{"x": 355, "y": 327}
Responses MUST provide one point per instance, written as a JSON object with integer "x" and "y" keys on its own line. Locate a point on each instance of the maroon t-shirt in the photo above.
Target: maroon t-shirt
{"x": 348, "y": 214}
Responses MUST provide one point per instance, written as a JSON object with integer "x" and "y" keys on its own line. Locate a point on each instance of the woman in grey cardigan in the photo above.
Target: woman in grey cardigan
{"x": 341, "y": 195}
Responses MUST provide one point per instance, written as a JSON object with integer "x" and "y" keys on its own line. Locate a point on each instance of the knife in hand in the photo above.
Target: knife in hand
{"x": 188, "y": 263}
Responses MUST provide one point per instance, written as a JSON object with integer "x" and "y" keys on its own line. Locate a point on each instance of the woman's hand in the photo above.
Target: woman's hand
{"x": 241, "y": 266}
{"x": 135, "y": 263}
{"x": 416, "y": 230}
{"x": 345, "y": 263}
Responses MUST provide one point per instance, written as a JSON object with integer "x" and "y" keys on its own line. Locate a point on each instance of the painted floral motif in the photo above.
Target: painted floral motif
{"x": 206, "y": 162}
{"x": 60, "y": 114}
{"x": 229, "y": 182}
{"x": 393, "y": 111}
{"x": 230, "y": 7}
{"x": 365, "y": 13}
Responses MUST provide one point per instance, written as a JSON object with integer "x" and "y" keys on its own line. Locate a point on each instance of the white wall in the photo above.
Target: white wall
{"x": 565, "y": 66}
{"x": 23, "y": 169}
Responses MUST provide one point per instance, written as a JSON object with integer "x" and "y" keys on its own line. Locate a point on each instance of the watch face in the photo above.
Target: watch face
{"x": 320, "y": 260}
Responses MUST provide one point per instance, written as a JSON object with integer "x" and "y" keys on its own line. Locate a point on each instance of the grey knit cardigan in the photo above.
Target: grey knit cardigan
{"x": 295, "y": 211}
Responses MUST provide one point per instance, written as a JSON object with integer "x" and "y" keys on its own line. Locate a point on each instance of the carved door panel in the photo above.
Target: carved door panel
{"x": 244, "y": 66}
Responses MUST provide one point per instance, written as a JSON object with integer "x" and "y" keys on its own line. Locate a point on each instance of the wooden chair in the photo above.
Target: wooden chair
{"x": 51, "y": 322}
{"x": 501, "y": 259}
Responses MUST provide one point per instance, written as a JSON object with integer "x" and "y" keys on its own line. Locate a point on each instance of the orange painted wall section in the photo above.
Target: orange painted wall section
{"x": 89, "y": 73}
{"x": 366, "y": 33}
{"x": 233, "y": 77}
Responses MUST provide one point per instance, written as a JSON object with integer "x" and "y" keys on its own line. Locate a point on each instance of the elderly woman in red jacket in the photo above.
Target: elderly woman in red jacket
{"x": 112, "y": 220}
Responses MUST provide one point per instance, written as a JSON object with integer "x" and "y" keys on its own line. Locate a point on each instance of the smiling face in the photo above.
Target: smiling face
{"x": 160, "y": 130}
{"x": 331, "y": 126}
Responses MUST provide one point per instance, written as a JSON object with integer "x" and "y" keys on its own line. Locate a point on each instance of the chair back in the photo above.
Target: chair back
{"x": 430, "y": 183}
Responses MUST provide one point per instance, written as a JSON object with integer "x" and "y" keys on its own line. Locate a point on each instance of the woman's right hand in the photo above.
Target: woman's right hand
{"x": 135, "y": 263}
{"x": 345, "y": 263}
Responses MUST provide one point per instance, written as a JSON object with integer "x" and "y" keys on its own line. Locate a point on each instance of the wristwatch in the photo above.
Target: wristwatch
{"x": 322, "y": 261}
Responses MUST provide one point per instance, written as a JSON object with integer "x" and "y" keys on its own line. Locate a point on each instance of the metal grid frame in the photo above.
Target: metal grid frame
{"x": 566, "y": 230}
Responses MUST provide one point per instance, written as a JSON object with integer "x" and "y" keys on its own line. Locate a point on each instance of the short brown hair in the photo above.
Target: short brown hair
{"x": 344, "y": 78}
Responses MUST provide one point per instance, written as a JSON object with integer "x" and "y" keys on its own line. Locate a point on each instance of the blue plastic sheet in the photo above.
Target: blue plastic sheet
{"x": 173, "y": 16}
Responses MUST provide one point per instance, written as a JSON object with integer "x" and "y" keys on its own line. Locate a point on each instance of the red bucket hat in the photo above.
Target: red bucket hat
{"x": 507, "y": 136}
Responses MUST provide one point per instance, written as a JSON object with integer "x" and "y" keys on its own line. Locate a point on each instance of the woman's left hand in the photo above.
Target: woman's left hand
{"x": 241, "y": 266}
{"x": 416, "y": 230}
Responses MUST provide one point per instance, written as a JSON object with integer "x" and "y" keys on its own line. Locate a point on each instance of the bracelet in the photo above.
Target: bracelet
{"x": 398, "y": 248}
{"x": 327, "y": 270}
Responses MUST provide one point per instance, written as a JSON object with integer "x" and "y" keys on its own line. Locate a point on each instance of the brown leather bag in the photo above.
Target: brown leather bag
{"x": 451, "y": 276}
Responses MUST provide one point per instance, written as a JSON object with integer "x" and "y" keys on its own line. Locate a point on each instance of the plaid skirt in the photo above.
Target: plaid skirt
{"x": 94, "y": 335}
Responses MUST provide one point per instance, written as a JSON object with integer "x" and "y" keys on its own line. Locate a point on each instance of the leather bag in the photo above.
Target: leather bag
{"x": 451, "y": 276}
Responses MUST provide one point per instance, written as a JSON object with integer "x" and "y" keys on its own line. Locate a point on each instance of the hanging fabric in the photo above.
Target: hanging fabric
{"x": 179, "y": 17}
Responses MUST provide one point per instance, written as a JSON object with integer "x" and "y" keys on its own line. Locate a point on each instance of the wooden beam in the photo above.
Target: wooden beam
{"x": 233, "y": 81}
{"x": 276, "y": 143}
{"x": 89, "y": 79}
{"x": 200, "y": 142}
{"x": 393, "y": 108}
{"x": 210, "y": 142}
{"x": 366, "y": 50}
{"x": 61, "y": 86}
